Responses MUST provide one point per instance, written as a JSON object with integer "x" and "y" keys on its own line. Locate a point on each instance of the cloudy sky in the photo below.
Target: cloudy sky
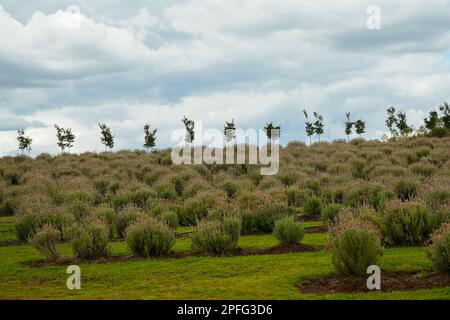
{"x": 130, "y": 62}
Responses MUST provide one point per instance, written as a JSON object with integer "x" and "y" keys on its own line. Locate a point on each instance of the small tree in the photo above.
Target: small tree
{"x": 230, "y": 130}
{"x": 60, "y": 135}
{"x": 69, "y": 138}
{"x": 309, "y": 127}
{"x": 360, "y": 127}
{"x": 189, "y": 125}
{"x": 65, "y": 138}
{"x": 348, "y": 126}
{"x": 149, "y": 137}
{"x": 107, "y": 138}
{"x": 24, "y": 142}
{"x": 445, "y": 109}
{"x": 402, "y": 124}
{"x": 432, "y": 121}
{"x": 272, "y": 132}
{"x": 318, "y": 124}
{"x": 391, "y": 120}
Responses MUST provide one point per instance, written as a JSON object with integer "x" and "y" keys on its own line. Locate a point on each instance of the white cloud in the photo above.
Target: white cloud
{"x": 255, "y": 61}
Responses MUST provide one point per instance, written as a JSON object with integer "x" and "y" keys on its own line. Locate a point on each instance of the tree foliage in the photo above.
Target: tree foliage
{"x": 149, "y": 137}
{"x": 24, "y": 142}
{"x": 65, "y": 138}
{"x": 107, "y": 138}
{"x": 189, "y": 125}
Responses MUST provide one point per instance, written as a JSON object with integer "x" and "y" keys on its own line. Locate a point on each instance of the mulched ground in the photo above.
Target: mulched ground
{"x": 278, "y": 249}
{"x": 392, "y": 281}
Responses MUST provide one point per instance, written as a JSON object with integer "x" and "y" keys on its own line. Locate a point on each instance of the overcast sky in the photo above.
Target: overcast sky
{"x": 130, "y": 62}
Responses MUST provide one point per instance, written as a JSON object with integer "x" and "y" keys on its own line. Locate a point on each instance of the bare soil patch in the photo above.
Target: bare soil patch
{"x": 278, "y": 249}
{"x": 12, "y": 242}
{"x": 393, "y": 281}
{"x": 317, "y": 229}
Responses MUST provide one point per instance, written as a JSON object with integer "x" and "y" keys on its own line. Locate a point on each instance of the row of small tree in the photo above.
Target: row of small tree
{"x": 396, "y": 122}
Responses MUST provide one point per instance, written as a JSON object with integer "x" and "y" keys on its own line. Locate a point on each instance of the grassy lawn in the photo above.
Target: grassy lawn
{"x": 7, "y": 229}
{"x": 242, "y": 277}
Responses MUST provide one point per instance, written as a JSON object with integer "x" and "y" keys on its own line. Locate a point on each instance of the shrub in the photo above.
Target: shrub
{"x": 287, "y": 230}
{"x": 439, "y": 249}
{"x": 320, "y": 166}
{"x": 44, "y": 241}
{"x": 102, "y": 186}
{"x": 216, "y": 236}
{"x": 407, "y": 225}
{"x": 140, "y": 198}
{"x": 109, "y": 217}
{"x": 359, "y": 169}
{"x": 91, "y": 242}
{"x": 288, "y": 179}
{"x": 296, "y": 197}
{"x": 437, "y": 198}
{"x": 170, "y": 218}
{"x": 313, "y": 207}
{"x": 14, "y": 178}
{"x": 125, "y": 218}
{"x": 121, "y": 200}
{"x": 193, "y": 212}
{"x": 80, "y": 209}
{"x": 406, "y": 190}
{"x": 263, "y": 219}
{"x": 8, "y": 207}
{"x": 371, "y": 195}
{"x": 330, "y": 212}
{"x": 179, "y": 184}
{"x": 230, "y": 189}
{"x": 423, "y": 170}
{"x": 355, "y": 244}
{"x": 256, "y": 178}
{"x": 354, "y": 250}
{"x": 27, "y": 225}
{"x": 149, "y": 237}
{"x": 166, "y": 191}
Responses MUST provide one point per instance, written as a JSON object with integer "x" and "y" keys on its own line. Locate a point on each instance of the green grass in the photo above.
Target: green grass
{"x": 241, "y": 277}
{"x": 7, "y": 229}
{"x": 309, "y": 224}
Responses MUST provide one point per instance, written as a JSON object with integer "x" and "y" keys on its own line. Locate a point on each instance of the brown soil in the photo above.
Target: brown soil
{"x": 183, "y": 234}
{"x": 318, "y": 229}
{"x": 278, "y": 249}
{"x": 11, "y": 242}
{"x": 393, "y": 281}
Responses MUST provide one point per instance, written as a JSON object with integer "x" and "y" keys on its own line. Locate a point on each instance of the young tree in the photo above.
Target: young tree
{"x": 149, "y": 137}
{"x": 309, "y": 127}
{"x": 60, "y": 136}
{"x": 432, "y": 121}
{"x": 69, "y": 138}
{"x": 402, "y": 124}
{"x": 348, "y": 126}
{"x": 445, "y": 109}
{"x": 391, "y": 120}
{"x": 230, "y": 130}
{"x": 65, "y": 138}
{"x": 107, "y": 138}
{"x": 360, "y": 127}
{"x": 24, "y": 142}
{"x": 318, "y": 124}
{"x": 189, "y": 125}
{"x": 272, "y": 132}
